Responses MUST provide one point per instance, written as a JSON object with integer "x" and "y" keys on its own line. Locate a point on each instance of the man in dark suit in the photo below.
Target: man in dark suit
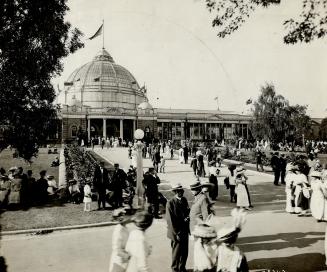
{"x": 118, "y": 183}
{"x": 282, "y": 164}
{"x": 185, "y": 154}
{"x": 275, "y": 165}
{"x": 150, "y": 182}
{"x": 177, "y": 215}
{"x": 101, "y": 183}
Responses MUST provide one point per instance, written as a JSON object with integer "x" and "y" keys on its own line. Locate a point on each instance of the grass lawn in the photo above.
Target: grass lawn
{"x": 41, "y": 162}
{"x": 53, "y": 216}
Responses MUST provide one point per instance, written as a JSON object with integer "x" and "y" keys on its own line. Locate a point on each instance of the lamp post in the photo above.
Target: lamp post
{"x": 139, "y": 200}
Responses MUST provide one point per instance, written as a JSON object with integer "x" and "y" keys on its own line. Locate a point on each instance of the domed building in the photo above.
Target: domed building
{"x": 103, "y": 99}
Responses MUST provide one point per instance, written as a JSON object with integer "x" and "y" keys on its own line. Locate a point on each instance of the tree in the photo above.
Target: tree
{"x": 231, "y": 14}
{"x": 323, "y": 129}
{"x": 275, "y": 119}
{"x": 34, "y": 38}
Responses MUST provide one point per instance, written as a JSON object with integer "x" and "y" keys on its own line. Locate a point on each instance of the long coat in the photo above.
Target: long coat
{"x": 118, "y": 180}
{"x": 150, "y": 183}
{"x": 199, "y": 210}
{"x": 101, "y": 180}
{"x": 177, "y": 215}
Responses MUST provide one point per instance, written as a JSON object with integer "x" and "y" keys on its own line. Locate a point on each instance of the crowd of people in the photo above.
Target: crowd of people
{"x": 22, "y": 190}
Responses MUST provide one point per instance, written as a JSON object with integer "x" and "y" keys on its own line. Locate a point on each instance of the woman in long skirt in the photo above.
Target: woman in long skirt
{"x": 213, "y": 192}
{"x": 318, "y": 201}
{"x": 289, "y": 179}
{"x": 243, "y": 197}
{"x": 301, "y": 202}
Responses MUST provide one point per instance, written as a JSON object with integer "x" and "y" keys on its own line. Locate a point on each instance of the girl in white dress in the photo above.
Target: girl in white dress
{"x": 87, "y": 197}
{"x": 180, "y": 155}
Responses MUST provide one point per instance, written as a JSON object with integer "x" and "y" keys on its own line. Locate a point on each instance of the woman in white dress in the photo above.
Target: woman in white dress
{"x": 180, "y": 155}
{"x": 243, "y": 198}
{"x": 137, "y": 246}
{"x": 301, "y": 202}
{"x": 318, "y": 203}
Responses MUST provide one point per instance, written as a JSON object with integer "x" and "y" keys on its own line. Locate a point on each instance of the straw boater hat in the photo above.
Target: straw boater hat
{"x": 50, "y": 177}
{"x": 240, "y": 169}
{"x": 196, "y": 186}
{"x": 177, "y": 187}
{"x": 204, "y": 231}
{"x": 316, "y": 174}
{"x": 13, "y": 169}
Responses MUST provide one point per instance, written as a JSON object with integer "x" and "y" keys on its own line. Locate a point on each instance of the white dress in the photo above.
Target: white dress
{"x": 139, "y": 250}
{"x": 242, "y": 195}
{"x": 87, "y": 194}
{"x": 318, "y": 204}
{"x": 180, "y": 154}
{"x": 119, "y": 240}
{"x": 300, "y": 181}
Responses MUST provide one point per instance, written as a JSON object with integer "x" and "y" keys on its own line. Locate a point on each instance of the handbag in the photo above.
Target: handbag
{"x": 226, "y": 182}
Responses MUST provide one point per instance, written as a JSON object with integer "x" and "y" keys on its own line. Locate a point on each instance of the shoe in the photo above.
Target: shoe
{"x": 251, "y": 206}
{"x": 248, "y": 209}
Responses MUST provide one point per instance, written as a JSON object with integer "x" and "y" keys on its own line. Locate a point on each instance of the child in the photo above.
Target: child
{"x": 230, "y": 257}
{"x": 162, "y": 164}
{"x": 87, "y": 197}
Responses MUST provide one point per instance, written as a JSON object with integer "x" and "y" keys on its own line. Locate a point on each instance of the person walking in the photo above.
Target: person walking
{"x": 101, "y": 184}
{"x": 275, "y": 165}
{"x": 231, "y": 182}
{"x": 289, "y": 180}
{"x": 156, "y": 159}
{"x": 201, "y": 171}
{"x": 87, "y": 197}
{"x": 177, "y": 215}
{"x": 201, "y": 207}
{"x": 137, "y": 246}
{"x": 150, "y": 182}
{"x": 118, "y": 183}
{"x": 194, "y": 164}
{"x": 318, "y": 201}
{"x": 162, "y": 164}
{"x": 213, "y": 173}
{"x": 185, "y": 154}
{"x": 259, "y": 156}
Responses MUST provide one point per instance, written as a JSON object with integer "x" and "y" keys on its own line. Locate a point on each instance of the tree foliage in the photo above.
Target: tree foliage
{"x": 34, "y": 38}
{"x": 276, "y": 120}
{"x": 323, "y": 129}
{"x": 231, "y": 14}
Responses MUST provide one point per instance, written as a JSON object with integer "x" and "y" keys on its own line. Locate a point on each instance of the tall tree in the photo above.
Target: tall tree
{"x": 231, "y": 14}
{"x": 34, "y": 38}
{"x": 275, "y": 119}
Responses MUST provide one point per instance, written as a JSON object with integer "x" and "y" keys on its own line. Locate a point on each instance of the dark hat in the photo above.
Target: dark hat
{"x": 195, "y": 186}
{"x": 143, "y": 220}
{"x": 50, "y": 177}
{"x": 101, "y": 162}
{"x": 151, "y": 169}
{"x": 43, "y": 172}
{"x": 116, "y": 165}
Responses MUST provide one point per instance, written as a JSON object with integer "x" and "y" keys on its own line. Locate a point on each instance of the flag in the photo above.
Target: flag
{"x": 98, "y": 33}
{"x": 216, "y": 98}
{"x": 249, "y": 101}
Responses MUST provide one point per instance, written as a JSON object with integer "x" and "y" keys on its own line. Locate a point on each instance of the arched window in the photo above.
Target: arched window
{"x": 74, "y": 131}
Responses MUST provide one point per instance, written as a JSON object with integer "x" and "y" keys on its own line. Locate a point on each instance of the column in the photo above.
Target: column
{"x": 121, "y": 134}
{"x": 104, "y": 128}
{"x": 247, "y": 131}
{"x": 134, "y": 126}
{"x": 205, "y": 131}
{"x": 88, "y": 129}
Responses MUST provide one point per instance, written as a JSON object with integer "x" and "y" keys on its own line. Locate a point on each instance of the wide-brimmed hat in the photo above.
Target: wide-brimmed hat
{"x": 228, "y": 233}
{"x": 240, "y": 169}
{"x": 177, "y": 187}
{"x": 316, "y": 174}
{"x": 50, "y": 177}
{"x": 195, "y": 186}
{"x": 204, "y": 231}
{"x": 143, "y": 219}
{"x": 205, "y": 183}
{"x": 12, "y": 169}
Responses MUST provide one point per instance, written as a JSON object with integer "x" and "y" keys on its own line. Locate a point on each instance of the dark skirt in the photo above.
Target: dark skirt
{"x": 213, "y": 191}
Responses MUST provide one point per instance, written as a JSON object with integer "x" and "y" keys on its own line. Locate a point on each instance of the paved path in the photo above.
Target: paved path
{"x": 271, "y": 238}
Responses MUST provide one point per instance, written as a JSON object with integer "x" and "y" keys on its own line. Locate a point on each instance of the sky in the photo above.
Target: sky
{"x": 170, "y": 46}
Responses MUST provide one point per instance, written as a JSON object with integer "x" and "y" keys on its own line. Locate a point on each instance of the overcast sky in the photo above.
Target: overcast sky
{"x": 171, "y": 47}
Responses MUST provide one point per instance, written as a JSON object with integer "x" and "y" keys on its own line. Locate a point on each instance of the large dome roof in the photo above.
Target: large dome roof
{"x": 102, "y": 83}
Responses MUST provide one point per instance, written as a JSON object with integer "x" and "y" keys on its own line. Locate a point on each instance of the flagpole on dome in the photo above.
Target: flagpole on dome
{"x": 103, "y": 34}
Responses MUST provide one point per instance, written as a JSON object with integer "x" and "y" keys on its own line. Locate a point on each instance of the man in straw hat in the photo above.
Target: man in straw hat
{"x": 177, "y": 215}
{"x": 200, "y": 209}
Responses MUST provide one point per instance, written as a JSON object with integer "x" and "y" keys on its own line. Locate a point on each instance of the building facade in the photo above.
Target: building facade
{"x": 103, "y": 99}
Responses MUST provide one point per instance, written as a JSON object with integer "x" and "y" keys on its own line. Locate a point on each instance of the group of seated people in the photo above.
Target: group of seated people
{"x": 20, "y": 190}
